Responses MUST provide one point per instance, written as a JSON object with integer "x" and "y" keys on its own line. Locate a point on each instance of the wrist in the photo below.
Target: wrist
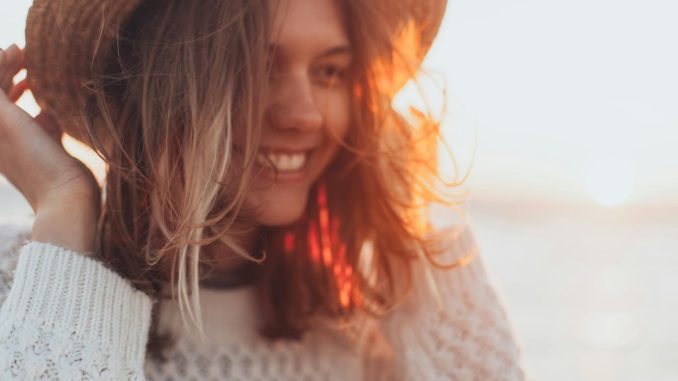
{"x": 70, "y": 225}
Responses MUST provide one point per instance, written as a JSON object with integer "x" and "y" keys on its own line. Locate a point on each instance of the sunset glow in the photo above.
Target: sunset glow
{"x": 327, "y": 248}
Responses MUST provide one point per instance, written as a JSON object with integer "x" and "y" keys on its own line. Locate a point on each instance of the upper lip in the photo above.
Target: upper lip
{"x": 286, "y": 150}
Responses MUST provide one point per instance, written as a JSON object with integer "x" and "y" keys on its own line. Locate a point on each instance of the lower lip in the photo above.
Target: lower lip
{"x": 286, "y": 177}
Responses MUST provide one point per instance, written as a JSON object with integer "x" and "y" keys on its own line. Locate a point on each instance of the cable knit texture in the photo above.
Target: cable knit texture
{"x": 467, "y": 335}
{"x": 65, "y": 316}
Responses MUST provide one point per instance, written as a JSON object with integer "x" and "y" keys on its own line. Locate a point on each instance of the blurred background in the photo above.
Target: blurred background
{"x": 567, "y": 114}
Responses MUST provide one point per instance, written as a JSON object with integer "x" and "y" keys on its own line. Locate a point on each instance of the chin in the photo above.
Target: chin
{"x": 279, "y": 208}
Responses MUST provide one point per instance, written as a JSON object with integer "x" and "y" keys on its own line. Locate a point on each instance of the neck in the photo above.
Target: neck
{"x": 229, "y": 269}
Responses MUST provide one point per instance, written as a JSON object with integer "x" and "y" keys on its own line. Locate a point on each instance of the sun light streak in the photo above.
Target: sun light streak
{"x": 328, "y": 250}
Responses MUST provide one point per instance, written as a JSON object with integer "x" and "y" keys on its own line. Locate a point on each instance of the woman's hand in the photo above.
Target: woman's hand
{"x": 62, "y": 192}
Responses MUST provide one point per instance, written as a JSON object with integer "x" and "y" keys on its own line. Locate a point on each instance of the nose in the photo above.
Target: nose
{"x": 293, "y": 105}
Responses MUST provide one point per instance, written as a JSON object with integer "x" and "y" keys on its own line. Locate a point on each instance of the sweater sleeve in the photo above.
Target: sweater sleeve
{"x": 68, "y": 317}
{"x": 457, "y": 330}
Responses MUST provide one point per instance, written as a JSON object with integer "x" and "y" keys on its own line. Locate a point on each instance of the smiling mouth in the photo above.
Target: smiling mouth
{"x": 283, "y": 162}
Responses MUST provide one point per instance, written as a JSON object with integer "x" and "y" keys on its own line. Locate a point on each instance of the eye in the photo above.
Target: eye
{"x": 330, "y": 74}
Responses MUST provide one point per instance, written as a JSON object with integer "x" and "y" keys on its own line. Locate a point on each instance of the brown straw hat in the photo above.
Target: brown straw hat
{"x": 67, "y": 42}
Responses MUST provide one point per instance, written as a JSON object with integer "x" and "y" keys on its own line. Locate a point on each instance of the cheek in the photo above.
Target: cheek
{"x": 338, "y": 115}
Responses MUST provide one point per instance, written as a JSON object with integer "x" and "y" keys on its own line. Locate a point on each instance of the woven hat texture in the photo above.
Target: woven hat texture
{"x": 67, "y": 42}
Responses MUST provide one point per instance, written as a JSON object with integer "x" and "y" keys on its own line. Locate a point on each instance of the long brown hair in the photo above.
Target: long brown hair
{"x": 176, "y": 119}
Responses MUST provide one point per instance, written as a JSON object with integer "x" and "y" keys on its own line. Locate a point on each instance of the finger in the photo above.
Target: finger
{"x": 7, "y": 61}
{"x": 14, "y": 55}
{"x": 17, "y": 59}
{"x": 13, "y": 63}
{"x": 3, "y": 68}
{"x": 18, "y": 90}
{"x": 7, "y": 82}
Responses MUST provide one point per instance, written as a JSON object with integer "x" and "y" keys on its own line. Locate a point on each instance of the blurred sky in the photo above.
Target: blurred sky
{"x": 566, "y": 99}
{"x": 573, "y": 99}
{"x": 563, "y": 102}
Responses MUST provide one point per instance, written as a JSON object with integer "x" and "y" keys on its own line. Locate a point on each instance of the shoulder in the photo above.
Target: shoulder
{"x": 12, "y": 238}
{"x": 454, "y": 323}
{"x": 453, "y": 245}
{"x": 452, "y": 254}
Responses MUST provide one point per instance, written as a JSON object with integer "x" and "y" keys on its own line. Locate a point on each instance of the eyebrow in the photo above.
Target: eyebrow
{"x": 337, "y": 50}
{"x": 341, "y": 49}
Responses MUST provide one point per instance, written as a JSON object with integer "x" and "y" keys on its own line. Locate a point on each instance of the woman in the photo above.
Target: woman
{"x": 265, "y": 213}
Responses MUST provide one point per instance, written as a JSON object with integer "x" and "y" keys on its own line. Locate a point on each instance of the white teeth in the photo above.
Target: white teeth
{"x": 283, "y": 161}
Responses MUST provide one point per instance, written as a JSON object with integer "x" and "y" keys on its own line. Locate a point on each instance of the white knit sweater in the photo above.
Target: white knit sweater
{"x": 67, "y": 317}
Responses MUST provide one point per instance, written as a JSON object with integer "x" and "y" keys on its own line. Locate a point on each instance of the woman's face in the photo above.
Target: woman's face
{"x": 307, "y": 108}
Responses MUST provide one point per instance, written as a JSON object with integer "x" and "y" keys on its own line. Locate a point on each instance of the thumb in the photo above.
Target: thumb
{"x": 18, "y": 90}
